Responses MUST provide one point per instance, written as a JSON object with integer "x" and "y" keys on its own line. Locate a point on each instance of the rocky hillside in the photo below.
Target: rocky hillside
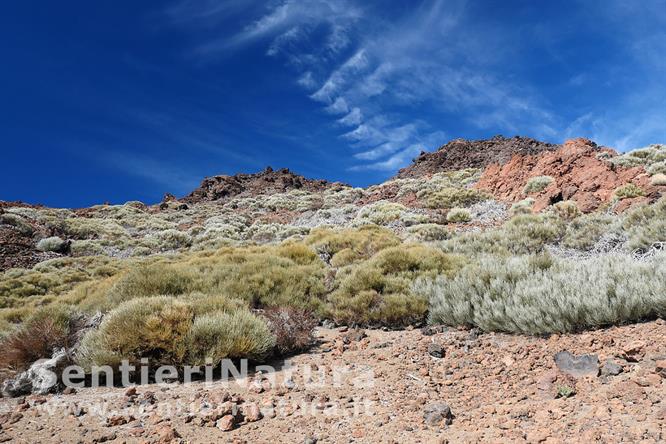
{"x": 578, "y": 171}
{"x": 268, "y": 181}
{"x": 505, "y": 290}
{"x": 460, "y": 153}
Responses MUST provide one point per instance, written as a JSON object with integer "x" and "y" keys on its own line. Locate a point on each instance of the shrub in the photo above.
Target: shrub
{"x": 657, "y": 168}
{"x": 381, "y": 213}
{"x": 47, "y": 329}
{"x": 172, "y": 240}
{"x": 205, "y": 303}
{"x": 522, "y": 234}
{"x": 543, "y": 295}
{"x": 360, "y": 243}
{"x": 450, "y": 197}
{"x": 658, "y": 179}
{"x": 583, "y": 232}
{"x": 263, "y": 279}
{"x": 52, "y": 244}
{"x": 628, "y": 191}
{"x": 378, "y": 290}
{"x": 86, "y": 248}
{"x": 567, "y": 209}
{"x": 154, "y": 327}
{"x": 537, "y": 184}
{"x": 151, "y": 280}
{"x": 530, "y": 232}
{"x": 458, "y": 215}
{"x": 292, "y": 327}
{"x": 428, "y": 232}
{"x": 522, "y": 207}
{"x": 17, "y": 222}
{"x": 646, "y": 225}
{"x": 221, "y": 335}
{"x": 646, "y": 157}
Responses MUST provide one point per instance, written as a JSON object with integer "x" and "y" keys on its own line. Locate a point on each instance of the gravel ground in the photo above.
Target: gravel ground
{"x": 378, "y": 386}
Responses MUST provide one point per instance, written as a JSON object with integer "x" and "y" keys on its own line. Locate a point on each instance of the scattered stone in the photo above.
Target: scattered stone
{"x": 226, "y": 423}
{"x": 660, "y": 367}
{"x": 577, "y": 366}
{"x": 611, "y": 368}
{"x": 251, "y": 412}
{"x": 166, "y": 434}
{"x": 105, "y": 437}
{"x": 435, "y": 350}
{"x": 634, "y": 351}
{"x": 437, "y": 413}
{"x": 117, "y": 420}
{"x": 130, "y": 392}
{"x": 354, "y": 335}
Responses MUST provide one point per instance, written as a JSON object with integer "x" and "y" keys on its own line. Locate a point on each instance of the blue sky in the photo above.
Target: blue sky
{"x": 122, "y": 100}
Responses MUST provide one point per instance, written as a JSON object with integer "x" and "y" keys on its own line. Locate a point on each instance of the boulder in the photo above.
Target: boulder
{"x": 42, "y": 377}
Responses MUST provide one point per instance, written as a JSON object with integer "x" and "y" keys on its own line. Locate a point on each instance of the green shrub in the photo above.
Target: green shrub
{"x": 152, "y": 327}
{"x": 522, "y": 207}
{"x": 567, "y": 210}
{"x": 529, "y": 233}
{"x": 206, "y": 303}
{"x": 221, "y": 335}
{"x": 428, "y": 232}
{"x": 543, "y": 295}
{"x": 458, "y": 215}
{"x": 450, "y": 197}
{"x": 353, "y": 244}
{"x": 381, "y": 213}
{"x": 262, "y": 278}
{"x": 583, "y": 232}
{"x": 151, "y": 280}
{"x": 378, "y": 290}
{"x": 646, "y": 225}
{"x": 522, "y": 234}
{"x": 628, "y": 191}
{"x": 657, "y": 168}
{"x": 537, "y": 184}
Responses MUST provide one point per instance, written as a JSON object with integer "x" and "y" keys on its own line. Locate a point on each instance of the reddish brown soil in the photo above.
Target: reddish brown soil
{"x": 500, "y": 388}
{"x": 577, "y": 172}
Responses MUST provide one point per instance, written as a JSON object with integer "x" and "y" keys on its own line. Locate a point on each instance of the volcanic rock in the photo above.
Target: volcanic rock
{"x": 268, "y": 181}
{"x": 578, "y": 173}
{"x": 460, "y": 153}
{"x": 577, "y": 366}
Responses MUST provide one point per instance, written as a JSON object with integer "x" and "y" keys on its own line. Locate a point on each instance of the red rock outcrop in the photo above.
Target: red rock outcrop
{"x": 577, "y": 172}
{"x": 461, "y": 153}
{"x": 268, "y": 181}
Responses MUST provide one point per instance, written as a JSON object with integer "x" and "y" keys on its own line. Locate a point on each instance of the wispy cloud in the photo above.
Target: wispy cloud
{"x": 373, "y": 73}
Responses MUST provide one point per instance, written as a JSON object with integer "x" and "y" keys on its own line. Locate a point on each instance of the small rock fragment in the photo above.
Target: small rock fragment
{"x": 437, "y": 413}
{"x": 577, "y": 366}
{"x": 226, "y": 423}
{"x": 611, "y": 368}
{"x": 435, "y": 350}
